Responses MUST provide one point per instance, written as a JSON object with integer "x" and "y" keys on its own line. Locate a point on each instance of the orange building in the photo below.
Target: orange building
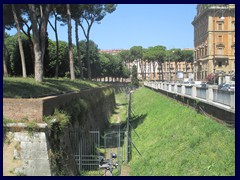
{"x": 214, "y": 40}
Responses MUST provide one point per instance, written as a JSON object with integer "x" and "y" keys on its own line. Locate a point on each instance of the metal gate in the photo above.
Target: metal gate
{"x": 90, "y": 148}
{"x": 86, "y": 145}
{"x": 114, "y": 144}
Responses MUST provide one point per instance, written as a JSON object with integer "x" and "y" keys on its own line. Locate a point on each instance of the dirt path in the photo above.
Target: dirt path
{"x": 125, "y": 170}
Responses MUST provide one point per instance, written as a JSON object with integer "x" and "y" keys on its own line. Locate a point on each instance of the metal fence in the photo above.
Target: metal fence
{"x": 90, "y": 148}
{"x": 86, "y": 146}
{"x": 114, "y": 143}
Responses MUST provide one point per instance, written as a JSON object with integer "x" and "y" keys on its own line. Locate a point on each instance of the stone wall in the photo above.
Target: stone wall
{"x": 33, "y": 155}
{"x": 36, "y": 109}
{"x": 26, "y": 155}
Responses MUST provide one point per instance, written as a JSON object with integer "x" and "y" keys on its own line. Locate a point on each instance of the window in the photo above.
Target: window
{"x": 220, "y": 63}
{"x": 220, "y": 51}
{"x": 220, "y": 39}
{"x": 233, "y": 25}
{"x": 220, "y": 26}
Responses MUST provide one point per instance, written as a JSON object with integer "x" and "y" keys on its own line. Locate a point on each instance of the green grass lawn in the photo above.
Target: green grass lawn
{"x": 176, "y": 141}
{"x": 14, "y": 87}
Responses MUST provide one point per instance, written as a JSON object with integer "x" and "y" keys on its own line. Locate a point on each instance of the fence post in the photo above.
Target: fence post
{"x": 194, "y": 92}
{"x": 183, "y": 90}
{"x": 232, "y": 99}
{"x": 209, "y": 96}
{"x": 127, "y": 128}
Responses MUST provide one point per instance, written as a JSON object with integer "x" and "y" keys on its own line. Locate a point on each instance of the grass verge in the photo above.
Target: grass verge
{"x": 16, "y": 87}
{"x": 177, "y": 141}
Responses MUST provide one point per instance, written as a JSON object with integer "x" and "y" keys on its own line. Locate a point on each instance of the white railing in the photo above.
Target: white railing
{"x": 208, "y": 94}
{"x": 223, "y": 97}
{"x": 202, "y": 92}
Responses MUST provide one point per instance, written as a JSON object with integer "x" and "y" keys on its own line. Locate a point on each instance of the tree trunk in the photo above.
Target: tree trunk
{"x": 24, "y": 73}
{"x": 88, "y": 60}
{"x": 57, "y": 48}
{"x": 32, "y": 52}
{"x": 71, "y": 63}
{"x": 78, "y": 50}
{"x": 5, "y": 71}
{"x": 28, "y": 34}
{"x": 57, "y": 43}
{"x": 39, "y": 38}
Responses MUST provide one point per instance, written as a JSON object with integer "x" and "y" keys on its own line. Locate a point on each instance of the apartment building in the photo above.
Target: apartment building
{"x": 169, "y": 71}
{"x": 214, "y": 40}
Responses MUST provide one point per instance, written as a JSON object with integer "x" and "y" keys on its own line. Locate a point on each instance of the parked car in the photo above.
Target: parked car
{"x": 221, "y": 85}
{"x": 201, "y": 84}
{"x": 226, "y": 87}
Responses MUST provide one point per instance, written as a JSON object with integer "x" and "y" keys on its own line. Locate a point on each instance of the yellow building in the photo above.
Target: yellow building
{"x": 214, "y": 40}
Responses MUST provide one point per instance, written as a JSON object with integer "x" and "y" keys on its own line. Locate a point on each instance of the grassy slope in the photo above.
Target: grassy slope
{"x": 175, "y": 140}
{"x": 120, "y": 113}
{"x": 27, "y": 87}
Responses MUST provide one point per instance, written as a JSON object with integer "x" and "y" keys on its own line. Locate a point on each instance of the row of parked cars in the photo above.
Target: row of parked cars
{"x": 222, "y": 86}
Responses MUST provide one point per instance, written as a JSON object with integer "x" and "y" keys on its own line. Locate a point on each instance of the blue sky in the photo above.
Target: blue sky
{"x": 140, "y": 25}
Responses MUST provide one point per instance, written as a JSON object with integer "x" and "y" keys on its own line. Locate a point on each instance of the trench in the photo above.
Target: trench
{"x": 55, "y": 150}
{"x": 113, "y": 141}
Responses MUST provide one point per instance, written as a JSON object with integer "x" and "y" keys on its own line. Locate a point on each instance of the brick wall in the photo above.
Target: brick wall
{"x": 35, "y": 109}
{"x": 19, "y": 109}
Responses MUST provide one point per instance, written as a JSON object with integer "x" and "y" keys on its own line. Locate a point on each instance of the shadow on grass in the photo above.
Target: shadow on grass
{"x": 28, "y": 88}
{"x": 136, "y": 120}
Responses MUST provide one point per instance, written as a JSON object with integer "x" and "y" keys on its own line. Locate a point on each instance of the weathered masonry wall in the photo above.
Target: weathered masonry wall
{"x": 44, "y": 151}
{"x": 26, "y": 155}
{"x": 36, "y": 109}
